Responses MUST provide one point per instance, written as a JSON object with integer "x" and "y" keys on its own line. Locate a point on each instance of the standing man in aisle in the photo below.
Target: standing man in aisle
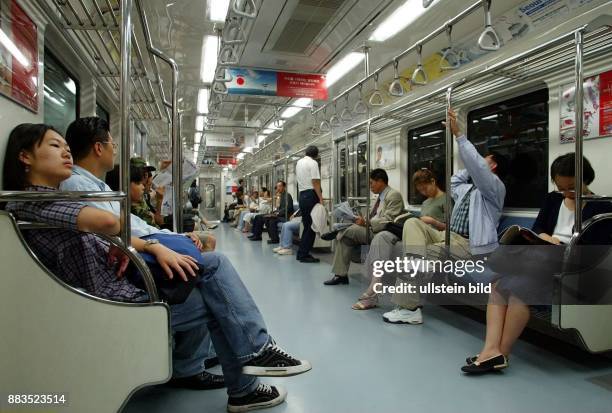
{"x": 309, "y": 184}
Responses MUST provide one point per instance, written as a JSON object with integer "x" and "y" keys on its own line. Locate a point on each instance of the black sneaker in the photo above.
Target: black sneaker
{"x": 273, "y": 361}
{"x": 262, "y": 397}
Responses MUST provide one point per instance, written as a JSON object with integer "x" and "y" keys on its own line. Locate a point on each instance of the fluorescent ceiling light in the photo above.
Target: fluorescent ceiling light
{"x": 217, "y": 10}
{"x": 343, "y": 66}
{"x": 398, "y": 20}
{"x": 272, "y": 125}
{"x": 199, "y": 124}
{"x": 11, "y": 47}
{"x": 240, "y": 155}
{"x": 431, "y": 133}
{"x": 203, "y": 100}
{"x": 197, "y": 137}
{"x": 290, "y": 112}
{"x": 248, "y": 149}
{"x": 209, "y": 59}
{"x": 268, "y": 131}
{"x": 196, "y": 148}
{"x": 494, "y": 116}
{"x": 261, "y": 138}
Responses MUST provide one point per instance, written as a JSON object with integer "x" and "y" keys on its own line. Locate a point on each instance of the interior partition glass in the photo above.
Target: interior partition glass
{"x": 61, "y": 94}
{"x": 518, "y": 129}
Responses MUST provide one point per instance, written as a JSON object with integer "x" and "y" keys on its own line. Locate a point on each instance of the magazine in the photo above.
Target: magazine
{"x": 517, "y": 235}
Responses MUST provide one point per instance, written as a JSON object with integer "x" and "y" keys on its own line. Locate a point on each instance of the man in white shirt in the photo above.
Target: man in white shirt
{"x": 309, "y": 184}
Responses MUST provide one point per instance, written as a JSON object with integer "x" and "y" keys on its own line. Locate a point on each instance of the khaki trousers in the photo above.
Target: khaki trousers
{"x": 422, "y": 240}
{"x": 346, "y": 240}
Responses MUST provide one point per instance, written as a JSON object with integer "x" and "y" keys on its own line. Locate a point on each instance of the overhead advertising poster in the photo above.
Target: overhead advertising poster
{"x": 237, "y": 141}
{"x": 597, "y": 108}
{"x": 272, "y": 83}
{"x": 18, "y": 55}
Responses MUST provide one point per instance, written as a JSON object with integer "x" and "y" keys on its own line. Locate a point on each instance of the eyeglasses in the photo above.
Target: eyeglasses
{"x": 115, "y": 145}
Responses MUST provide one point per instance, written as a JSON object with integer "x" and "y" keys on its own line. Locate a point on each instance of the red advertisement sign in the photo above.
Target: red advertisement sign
{"x": 298, "y": 85}
{"x": 226, "y": 161}
{"x": 18, "y": 55}
{"x": 605, "y": 103}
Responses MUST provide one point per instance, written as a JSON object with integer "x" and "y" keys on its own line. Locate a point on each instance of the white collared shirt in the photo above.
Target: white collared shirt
{"x": 306, "y": 170}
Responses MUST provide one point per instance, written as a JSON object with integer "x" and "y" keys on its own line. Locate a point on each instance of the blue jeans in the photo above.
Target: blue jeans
{"x": 241, "y": 219}
{"x": 288, "y": 230}
{"x": 237, "y": 329}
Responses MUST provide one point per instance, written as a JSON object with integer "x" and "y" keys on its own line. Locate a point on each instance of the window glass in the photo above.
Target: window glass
{"x": 426, "y": 149}
{"x": 518, "y": 129}
{"x": 61, "y": 93}
{"x": 363, "y": 181}
{"x": 342, "y": 174}
{"x": 102, "y": 113}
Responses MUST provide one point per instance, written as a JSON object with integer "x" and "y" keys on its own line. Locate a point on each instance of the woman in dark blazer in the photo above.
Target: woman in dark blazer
{"x": 508, "y": 310}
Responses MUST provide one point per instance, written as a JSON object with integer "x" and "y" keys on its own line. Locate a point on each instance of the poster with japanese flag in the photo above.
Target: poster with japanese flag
{"x": 597, "y": 108}
{"x": 272, "y": 83}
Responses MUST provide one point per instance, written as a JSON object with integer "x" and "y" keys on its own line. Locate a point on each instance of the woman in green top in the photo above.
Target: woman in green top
{"x": 383, "y": 247}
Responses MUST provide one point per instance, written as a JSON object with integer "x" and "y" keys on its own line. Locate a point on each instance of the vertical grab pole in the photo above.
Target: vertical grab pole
{"x": 124, "y": 92}
{"x": 346, "y": 166}
{"x": 273, "y": 192}
{"x": 287, "y": 182}
{"x": 578, "y": 104}
{"x": 448, "y": 170}
{"x": 368, "y": 198}
{"x": 177, "y": 158}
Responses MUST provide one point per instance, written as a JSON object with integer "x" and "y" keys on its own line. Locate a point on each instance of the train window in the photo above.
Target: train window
{"x": 517, "y": 128}
{"x": 102, "y": 113}
{"x": 426, "y": 149}
{"x": 363, "y": 181}
{"x": 342, "y": 174}
{"x": 61, "y": 101}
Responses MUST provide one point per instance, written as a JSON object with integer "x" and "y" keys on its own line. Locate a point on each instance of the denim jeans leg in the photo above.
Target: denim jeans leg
{"x": 288, "y": 229}
{"x": 190, "y": 336}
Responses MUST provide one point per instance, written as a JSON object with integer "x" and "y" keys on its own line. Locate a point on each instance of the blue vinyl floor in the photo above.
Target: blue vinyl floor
{"x": 361, "y": 364}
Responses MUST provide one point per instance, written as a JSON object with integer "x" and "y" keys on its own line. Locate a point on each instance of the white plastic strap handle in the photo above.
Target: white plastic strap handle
{"x": 346, "y": 116}
{"x": 227, "y": 56}
{"x": 360, "y": 107}
{"x": 450, "y": 55}
{"x": 325, "y": 127}
{"x": 223, "y": 75}
{"x": 219, "y": 88}
{"x": 249, "y": 8}
{"x": 376, "y": 99}
{"x": 419, "y": 77}
{"x": 493, "y": 43}
{"x": 395, "y": 88}
{"x": 233, "y": 34}
{"x": 314, "y": 131}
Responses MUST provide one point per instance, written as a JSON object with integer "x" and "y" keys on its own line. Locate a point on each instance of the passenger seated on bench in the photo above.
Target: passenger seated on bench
{"x": 383, "y": 246}
{"x": 289, "y": 230}
{"x": 270, "y": 221}
{"x": 478, "y": 192}
{"x": 264, "y": 207}
{"x": 253, "y": 207}
{"x": 508, "y": 310}
{"x": 38, "y": 159}
{"x": 387, "y": 207}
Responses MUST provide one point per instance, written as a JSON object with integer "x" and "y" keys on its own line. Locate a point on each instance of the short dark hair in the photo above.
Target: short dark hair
{"x": 241, "y": 181}
{"x": 379, "y": 174}
{"x": 502, "y": 163}
{"x": 283, "y": 183}
{"x": 312, "y": 151}
{"x": 83, "y": 133}
{"x": 22, "y": 138}
{"x": 112, "y": 177}
{"x": 565, "y": 165}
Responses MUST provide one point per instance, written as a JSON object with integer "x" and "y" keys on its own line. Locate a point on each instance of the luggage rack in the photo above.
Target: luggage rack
{"x": 93, "y": 26}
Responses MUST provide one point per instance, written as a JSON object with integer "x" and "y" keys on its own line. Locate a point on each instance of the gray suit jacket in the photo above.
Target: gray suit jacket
{"x": 391, "y": 207}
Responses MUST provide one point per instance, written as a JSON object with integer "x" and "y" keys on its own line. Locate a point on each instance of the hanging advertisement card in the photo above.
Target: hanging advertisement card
{"x": 272, "y": 83}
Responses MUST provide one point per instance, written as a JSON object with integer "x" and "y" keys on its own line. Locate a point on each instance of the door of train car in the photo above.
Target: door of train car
{"x": 211, "y": 192}
{"x": 352, "y": 182}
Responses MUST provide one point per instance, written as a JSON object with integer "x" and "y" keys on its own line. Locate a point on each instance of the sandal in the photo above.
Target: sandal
{"x": 366, "y": 302}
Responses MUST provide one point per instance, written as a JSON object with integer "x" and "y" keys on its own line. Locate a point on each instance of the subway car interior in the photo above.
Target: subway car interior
{"x": 405, "y": 204}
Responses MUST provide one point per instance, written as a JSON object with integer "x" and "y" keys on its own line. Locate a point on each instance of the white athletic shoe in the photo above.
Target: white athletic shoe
{"x": 277, "y": 249}
{"x": 285, "y": 251}
{"x": 404, "y": 316}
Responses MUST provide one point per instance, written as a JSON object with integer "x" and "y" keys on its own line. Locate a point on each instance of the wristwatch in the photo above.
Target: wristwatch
{"x": 150, "y": 242}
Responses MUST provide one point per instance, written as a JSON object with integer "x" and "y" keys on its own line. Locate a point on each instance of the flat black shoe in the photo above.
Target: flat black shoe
{"x": 496, "y": 363}
{"x": 273, "y": 241}
{"x": 202, "y": 381}
{"x": 309, "y": 259}
{"x": 255, "y": 239}
{"x": 328, "y": 236}
{"x": 262, "y": 397}
{"x": 336, "y": 279}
